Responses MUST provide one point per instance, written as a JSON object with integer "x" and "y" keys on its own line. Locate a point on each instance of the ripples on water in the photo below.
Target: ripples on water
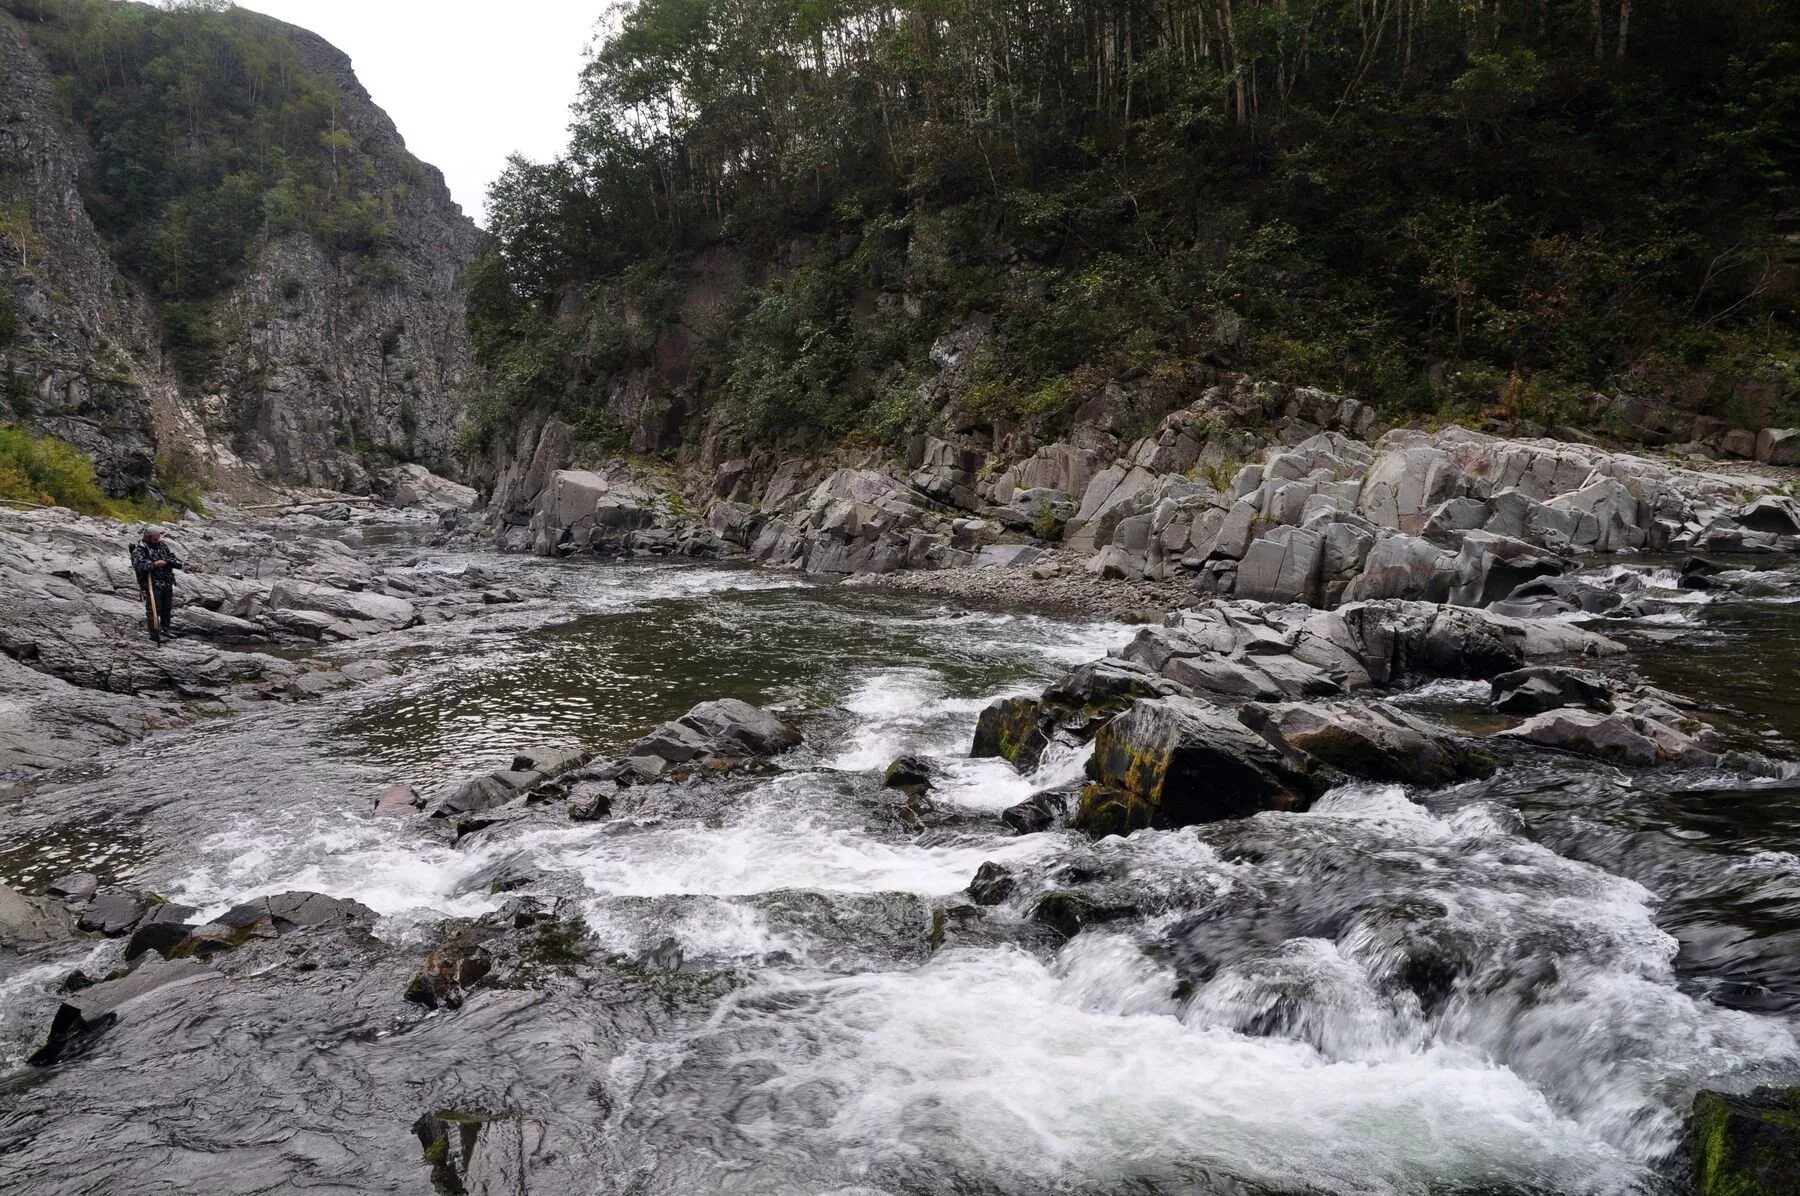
{"x": 1506, "y": 986}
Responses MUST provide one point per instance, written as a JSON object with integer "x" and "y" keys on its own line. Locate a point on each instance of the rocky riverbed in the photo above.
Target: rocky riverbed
{"x": 417, "y": 867}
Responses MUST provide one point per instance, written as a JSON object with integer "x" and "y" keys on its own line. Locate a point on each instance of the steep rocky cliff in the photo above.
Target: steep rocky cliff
{"x": 325, "y": 338}
{"x": 328, "y": 366}
{"x": 77, "y": 343}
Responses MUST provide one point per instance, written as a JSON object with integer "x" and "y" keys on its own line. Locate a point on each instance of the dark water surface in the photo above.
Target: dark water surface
{"x": 1511, "y": 986}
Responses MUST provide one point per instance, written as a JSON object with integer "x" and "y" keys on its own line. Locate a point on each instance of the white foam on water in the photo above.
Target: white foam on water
{"x": 715, "y": 929}
{"x": 1777, "y": 866}
{"x": 379, "y": 862}
{"x": 613, "y": 588}
{"x": 993, "y": 784}
{"x": 1573, "y": 987}
{"x": 1668, "y": 618}
{"x": 784, "y": 851}
{"x": 992, "y": 1063}
{"x": 1055, "y": 642}
{"x": 899, "y": 711}
{"x": 1445, "y": 690}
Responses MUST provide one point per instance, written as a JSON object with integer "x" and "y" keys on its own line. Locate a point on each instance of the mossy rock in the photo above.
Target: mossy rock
{"x": 1010, "y": 729}
{"x": 1064, "y": 912}
{"x": 911, "y": 775}
{"x": 1068, "y": 912}
{"x": 1102, "y": 812}
{"x": 1747, "y": 1145}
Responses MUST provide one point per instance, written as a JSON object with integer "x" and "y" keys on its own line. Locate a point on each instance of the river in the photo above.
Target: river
{"x": 1583, "y": 946}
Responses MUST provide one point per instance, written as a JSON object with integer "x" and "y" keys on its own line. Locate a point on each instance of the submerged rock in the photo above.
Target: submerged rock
{"x": 452, "y": 969}
{"x": 992, "y": 884}
{"x": 1747, "y": 1145}
{"x": 1698, "y": 573}
{"x": 1068, "y": 912}
{"x": 400, "y": 801}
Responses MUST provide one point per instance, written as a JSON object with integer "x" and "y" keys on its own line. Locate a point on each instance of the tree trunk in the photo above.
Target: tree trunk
{"x": 1624, "y": 26}
{"x": 1599, "y": 33}
{"x": 1237, "y": 65}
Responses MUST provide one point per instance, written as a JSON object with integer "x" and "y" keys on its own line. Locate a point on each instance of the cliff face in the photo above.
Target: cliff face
{"x": 328, "y": 366}
{"x": 334, "y": 343}
{"x": 77, "y": 343}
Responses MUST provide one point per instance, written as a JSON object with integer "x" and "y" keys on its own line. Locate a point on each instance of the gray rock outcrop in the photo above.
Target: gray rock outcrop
{"x": 322, "y": 369}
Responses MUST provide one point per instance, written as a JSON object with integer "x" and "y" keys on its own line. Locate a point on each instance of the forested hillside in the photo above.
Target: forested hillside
{"x": 218, "y": 241}
{"x": 1472, "y": 208}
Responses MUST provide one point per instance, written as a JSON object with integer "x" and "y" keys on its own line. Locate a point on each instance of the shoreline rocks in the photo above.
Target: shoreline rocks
{"x": 74, "y": 649}
{"x": 1234, "y": 707}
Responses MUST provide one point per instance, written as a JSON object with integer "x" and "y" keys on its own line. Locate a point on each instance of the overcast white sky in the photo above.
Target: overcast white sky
{"x": 467, "y": 83}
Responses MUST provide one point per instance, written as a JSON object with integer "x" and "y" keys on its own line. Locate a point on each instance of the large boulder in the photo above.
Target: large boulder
{"x": 1283, "y": 565}
{"x": 415, "y": 486}
{"x": 283, "y": 913}
{"x": 1490, "y": 567}
{"x": 114, "y": 911}
{"x": 1170, "y": 762}
{"x": 1397, "y": 640}
{"x": 1608, "y": 517}
{"x": 1407, "y": 482}
{"x": 1550, "y": 687}
{"x": 1778, "y": 446}
{"x": 1403, "y": 566}
{"x": 582, "y": 511}
{"x": 945, "y": 471}
{"x": 1374, "y": 742}
{"x": 1627, "y": 736}
{"x": 1039, "y": 812}
{"x": 1115, "y": 493}
{"x": 1547, "y": 597}
{"x": 1009, "y": 728}
{"x": 1055, "y": 468}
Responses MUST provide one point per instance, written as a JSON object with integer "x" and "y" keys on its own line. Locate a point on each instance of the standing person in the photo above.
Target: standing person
{"x": 155, "y": 563}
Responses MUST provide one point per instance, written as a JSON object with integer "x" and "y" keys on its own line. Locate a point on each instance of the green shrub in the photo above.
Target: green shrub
{"x": 45, "y": 471}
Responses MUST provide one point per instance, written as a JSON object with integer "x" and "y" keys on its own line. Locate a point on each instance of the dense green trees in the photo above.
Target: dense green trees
{"x": 1423, "y": 201}
{"x": 208, "y": 133}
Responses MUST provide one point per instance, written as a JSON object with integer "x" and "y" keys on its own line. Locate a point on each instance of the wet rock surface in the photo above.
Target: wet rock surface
{"x": 1748, "y": 1144}
{"x": 258, "y": 608}
{"x": 1311, "y": 867}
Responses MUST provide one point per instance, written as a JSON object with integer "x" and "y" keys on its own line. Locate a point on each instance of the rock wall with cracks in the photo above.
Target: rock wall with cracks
{"x": 1255, "y": 491}
{"x": 324, "y": 370}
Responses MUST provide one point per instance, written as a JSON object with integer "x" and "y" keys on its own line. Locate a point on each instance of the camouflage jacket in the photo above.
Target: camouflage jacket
{"x": 144, "y": 560}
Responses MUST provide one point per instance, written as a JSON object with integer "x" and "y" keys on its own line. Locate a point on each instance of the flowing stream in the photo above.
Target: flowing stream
{"x": 1583, "y": 947}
